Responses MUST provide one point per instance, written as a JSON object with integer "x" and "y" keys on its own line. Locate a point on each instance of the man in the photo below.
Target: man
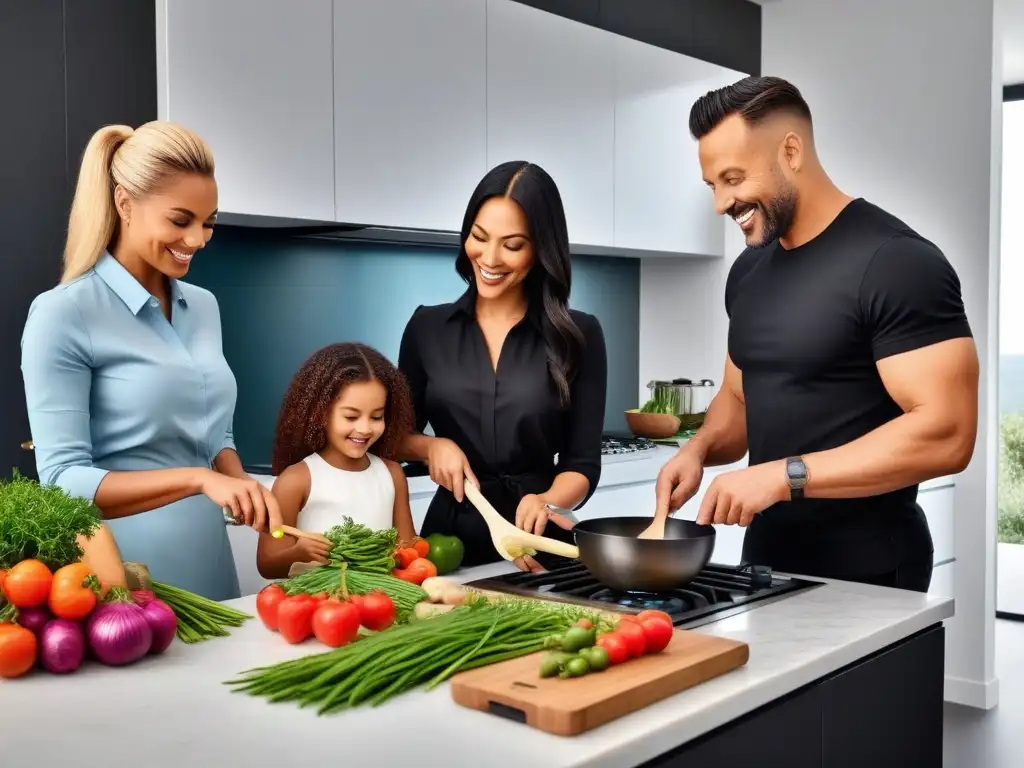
{"x": 851, "y": 374}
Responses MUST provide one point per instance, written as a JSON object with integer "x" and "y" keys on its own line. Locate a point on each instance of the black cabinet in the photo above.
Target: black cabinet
{"x": 884, "y": 711}
{"x": 67, "y": 67}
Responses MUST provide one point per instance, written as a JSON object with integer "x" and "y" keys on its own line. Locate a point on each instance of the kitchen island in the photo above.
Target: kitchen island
{"x": 839, "y": 675}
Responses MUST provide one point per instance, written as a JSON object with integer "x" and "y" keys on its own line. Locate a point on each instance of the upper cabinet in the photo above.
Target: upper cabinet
{"x": 254, "y": 78}
{"x": 550, "y": 101}
{"x": 661, "y": 201}
{"x": 410, "y": 110}
{"x": 389, "y": 112}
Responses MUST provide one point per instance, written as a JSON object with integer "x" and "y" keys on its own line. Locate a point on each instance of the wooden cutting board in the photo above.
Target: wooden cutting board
{"x": 566, "y": 707}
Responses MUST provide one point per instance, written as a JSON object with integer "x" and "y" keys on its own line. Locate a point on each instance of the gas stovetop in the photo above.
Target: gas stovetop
{"x": 718, "y": 591}
{"x": 615, "y": 445}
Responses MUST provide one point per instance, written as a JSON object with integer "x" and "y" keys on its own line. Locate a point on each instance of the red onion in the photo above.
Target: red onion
{"x": 33, "y": 619}
{"x": 62, "y": 646}
{"x": 143, "y": 597}
{"x": 163, "y": 622}
{"x": 118, "y": 630}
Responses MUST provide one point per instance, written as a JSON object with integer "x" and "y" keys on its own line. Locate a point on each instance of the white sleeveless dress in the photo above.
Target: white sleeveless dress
{"x": 368, "y": 497}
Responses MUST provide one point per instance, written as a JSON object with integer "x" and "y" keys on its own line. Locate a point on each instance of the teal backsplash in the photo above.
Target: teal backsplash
{"x": 282, "y": 298}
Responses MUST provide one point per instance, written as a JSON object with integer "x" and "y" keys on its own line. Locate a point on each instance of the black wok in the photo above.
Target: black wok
{"x": 611, "y": 551}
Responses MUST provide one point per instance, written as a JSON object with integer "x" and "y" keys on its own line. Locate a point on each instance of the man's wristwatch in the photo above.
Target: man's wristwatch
{"x": 796, "y": 477}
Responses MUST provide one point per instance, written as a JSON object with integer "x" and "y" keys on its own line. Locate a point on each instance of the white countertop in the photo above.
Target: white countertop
{"x": 173, "y": 710}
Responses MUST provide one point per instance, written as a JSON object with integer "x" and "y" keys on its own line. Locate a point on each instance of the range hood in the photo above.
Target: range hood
{"x": 436, "y": 238}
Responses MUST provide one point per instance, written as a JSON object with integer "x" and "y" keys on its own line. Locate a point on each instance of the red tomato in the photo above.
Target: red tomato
{"x": 422, "y": 547}
{"x": 322, "y": 597}
{"x": 585, "y": 623}
{"x": 616, "y": 646}
{"x": 376, "y": 611}
{"x": 657, "y": 634}
{"x": 18, "y": 649}
{"x": 27, "y": 584}
{"x": 645, "y": 615}
{"x": 405, "y": 556}
{"x": 633, "y": 634}
{"x": 3, "y": 575}
{"x": 268, "y": 602}
{"x": 295, "y": 618}
{"x": 71, "y": 594}
{"x": 335, "y": 623}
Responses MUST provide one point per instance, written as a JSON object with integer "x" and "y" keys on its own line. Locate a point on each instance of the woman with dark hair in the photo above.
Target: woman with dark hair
{"x": 343, "y": 417}
{"x": 510, "y": 379}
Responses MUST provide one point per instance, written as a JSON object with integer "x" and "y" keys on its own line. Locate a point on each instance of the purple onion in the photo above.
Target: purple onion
{"x": 163, "y": 622}
{"x": 119, "y": 633}
{"x": 62, "y": 646}
{"x": 33, "y": 619}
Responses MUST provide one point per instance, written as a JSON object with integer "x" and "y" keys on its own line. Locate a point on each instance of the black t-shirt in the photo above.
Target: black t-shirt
{"x": 807, "y": 327}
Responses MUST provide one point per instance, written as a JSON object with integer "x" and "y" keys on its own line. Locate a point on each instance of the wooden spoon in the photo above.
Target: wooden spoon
{"x": 280, "y": 532}
{"x": 509, "y": 540}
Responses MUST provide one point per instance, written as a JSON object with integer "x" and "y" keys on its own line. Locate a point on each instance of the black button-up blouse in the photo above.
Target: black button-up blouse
{"x": 509, "y": 422}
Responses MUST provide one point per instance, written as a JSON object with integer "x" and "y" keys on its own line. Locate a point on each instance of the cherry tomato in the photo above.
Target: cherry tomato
{"x": 657, "y": 634}
{"x": 585, "y": 623}
{"x": 422, "y": 547}
{"x": 18, "y": 650}
{"x": 295, "y": 618}
{"x": 645, "y": 615}
{"x": 335, "y": 623}
{"x": 268, "y": 602}
{"x": 405, "y": 556}
{"x": 633, "y": 634}
{"x": 28, "y": 584}
{"x": 72, "y": 596}
{"x": 376, "y": 611}
{"x": 615, "y": 645}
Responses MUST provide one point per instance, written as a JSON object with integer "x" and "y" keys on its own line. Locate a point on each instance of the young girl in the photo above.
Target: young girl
{"x": 342, "y": 419}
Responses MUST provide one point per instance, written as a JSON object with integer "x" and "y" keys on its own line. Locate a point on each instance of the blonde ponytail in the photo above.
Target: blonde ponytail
{"x": 138, "y": 160}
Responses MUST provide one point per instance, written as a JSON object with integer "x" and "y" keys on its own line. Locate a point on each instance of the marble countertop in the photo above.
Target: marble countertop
{"x": 173, "y": 710}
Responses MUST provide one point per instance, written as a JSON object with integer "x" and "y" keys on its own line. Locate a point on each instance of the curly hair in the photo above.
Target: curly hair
{"x": 302, "y": 422}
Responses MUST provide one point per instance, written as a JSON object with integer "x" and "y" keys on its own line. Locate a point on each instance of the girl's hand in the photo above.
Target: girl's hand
{"x": 247, "y": 499}
{"x": 310, "y": 550}
{"x": 449, "y": 466}
{"x": 533, "y": 514}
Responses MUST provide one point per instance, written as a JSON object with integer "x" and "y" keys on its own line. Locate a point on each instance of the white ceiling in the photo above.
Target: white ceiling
{"x": 1012, "y": 22}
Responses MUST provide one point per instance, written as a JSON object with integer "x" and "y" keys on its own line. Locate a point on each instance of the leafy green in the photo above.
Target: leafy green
{"x": 362, "y": 547}
{"x": 42, "y": 522}
{"x": 665, "y": 400}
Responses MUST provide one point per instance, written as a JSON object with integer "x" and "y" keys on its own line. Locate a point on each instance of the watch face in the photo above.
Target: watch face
{"x": 796, "y": 470}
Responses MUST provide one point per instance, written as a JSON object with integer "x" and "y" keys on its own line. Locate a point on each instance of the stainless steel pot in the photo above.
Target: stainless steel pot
{"x": 611, "y": 551}
{"x": 685, "y": 398}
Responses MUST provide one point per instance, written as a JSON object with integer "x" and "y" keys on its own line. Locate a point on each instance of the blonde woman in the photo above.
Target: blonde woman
{"x": 130, "y": 399}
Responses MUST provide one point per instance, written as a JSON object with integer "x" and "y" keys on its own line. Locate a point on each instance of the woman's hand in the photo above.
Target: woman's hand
{"x": 532, "y": 516}
{"x": 247, "y": 499}
{"x": 312, "y": 550}
{"x": 449, "y": 466}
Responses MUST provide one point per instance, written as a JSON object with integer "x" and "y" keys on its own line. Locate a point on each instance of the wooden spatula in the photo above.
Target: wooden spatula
{"x": 509, "y": 540}
{"x": 655, "y": 530}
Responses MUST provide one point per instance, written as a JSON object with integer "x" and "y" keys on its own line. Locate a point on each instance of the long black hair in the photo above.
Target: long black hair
{"x": 548, "y": 283}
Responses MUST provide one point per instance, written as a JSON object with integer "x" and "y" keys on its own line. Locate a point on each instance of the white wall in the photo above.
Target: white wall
{"x": 907, "y": 113}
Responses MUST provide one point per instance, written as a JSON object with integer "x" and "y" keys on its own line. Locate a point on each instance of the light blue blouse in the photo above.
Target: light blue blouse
{"x": 111, "y": 385}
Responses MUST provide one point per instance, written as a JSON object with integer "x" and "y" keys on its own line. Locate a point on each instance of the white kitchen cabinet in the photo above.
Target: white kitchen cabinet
{"x": 550, "y": 101}
{"x": 410, "y": 101}
{"x": 661, "y": 201}
{"x": 254, "y": 79}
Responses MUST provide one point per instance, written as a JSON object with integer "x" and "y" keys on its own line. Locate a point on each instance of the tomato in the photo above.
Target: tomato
{"x": 422, "y": 547}
{"x": 657, "y": 634}
{"x": 295, "y": 618}
{"x": 376, "y": 611}
{"x": 73, "y": 592}
{"x": 615, "y": 645}
{"x": 18, "y": 650}
{"x": 335, "y": 623}
{"x": 322, "y": 597}
{"x": 418, "y": 571}
{"x": 268, "y": 601}
{"x": 28, "y": 584}
{"x": 405, "y": 556}
{"x": 3, "y": 575}
{"x": 661, "y": 615}
{"x": 585, "y": 623}
{"x": 633, "y": 634}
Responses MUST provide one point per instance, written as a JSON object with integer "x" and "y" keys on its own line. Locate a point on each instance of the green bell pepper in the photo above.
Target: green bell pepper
{"x": 445, "y": 553}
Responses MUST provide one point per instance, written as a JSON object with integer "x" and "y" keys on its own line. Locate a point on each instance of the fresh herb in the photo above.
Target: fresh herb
{"x": 198, "y": 618}
{"x": 422, "y": 653}
{"x": 403, "y": 594}
{"x": 42, "y": 523}
{"x": 362, "y": 547}
{"x": 665, "y": 400}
